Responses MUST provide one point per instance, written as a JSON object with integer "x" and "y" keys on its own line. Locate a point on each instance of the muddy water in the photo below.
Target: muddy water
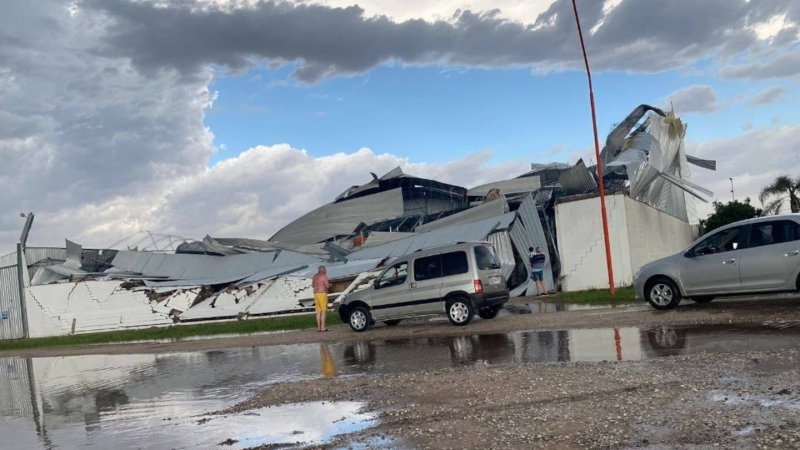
{"x": 163, "y": 401}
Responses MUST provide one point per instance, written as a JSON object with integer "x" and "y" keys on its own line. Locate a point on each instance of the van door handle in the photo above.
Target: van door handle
{"x": 794, "y": 253}
{"x": 730, "y": 261}
{"x": 412, "y": 285}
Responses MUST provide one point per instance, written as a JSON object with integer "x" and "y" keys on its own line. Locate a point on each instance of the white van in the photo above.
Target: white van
{"x": 457, "y": 280}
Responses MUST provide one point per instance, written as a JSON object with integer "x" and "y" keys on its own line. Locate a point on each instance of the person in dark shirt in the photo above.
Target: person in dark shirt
{"x": 537, "y": 259}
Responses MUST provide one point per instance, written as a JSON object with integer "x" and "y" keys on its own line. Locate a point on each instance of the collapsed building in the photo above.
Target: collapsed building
{"x": 161, "y": 280}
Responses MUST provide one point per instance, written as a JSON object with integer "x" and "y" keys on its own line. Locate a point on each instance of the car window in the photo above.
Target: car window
{"x": 454, "y": 263}
{"x": 719, "y": 242}
{"x": 773, "y": 232}
{"x": 428, "y": 268}
{"x": 484, "y": 258}
{"x": 394, "y": 276}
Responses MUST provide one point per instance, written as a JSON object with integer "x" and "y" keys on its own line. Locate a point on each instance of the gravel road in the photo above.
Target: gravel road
{"x": 707, "y": 400}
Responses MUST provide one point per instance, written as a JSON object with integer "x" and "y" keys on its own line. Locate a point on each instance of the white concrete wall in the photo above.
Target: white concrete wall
{"x": 581, "y": 246}
{"x": 639, "y": 234}
{"x": 653, "y": 234}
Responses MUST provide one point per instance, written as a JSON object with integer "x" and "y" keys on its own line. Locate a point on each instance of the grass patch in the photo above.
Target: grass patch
{"x": 596, "y": 296}
{"x": 177, "y": 332}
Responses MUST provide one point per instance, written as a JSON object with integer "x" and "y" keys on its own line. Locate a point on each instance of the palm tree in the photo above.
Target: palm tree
{"x": 781, "y": 189}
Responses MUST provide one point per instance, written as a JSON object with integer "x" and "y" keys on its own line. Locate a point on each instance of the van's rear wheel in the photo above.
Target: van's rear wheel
{"x": 359, "y": 319}
{"x": 460, "y": 311}
{"x": 488, "y": 312}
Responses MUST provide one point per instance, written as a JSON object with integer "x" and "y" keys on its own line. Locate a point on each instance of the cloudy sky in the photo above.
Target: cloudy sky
{"x": 233, "y": 117}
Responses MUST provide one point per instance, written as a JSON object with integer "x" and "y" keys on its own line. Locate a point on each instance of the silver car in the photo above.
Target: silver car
{"x": 458, "y": 280}
{"x": 749, "y": 256}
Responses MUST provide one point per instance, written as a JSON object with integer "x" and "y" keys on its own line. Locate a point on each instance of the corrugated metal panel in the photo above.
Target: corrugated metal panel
{"x": 531, "y": 234}
{"x": 504, "y": 251}
{"x": 475, "y": 231}
{"x": 577, "y": 180}
{"x": 203, "y": 268}
{"x": 15, "y": 390}
{"x": 8, "y": 260}
{"x": 483, "y": 211}
{"x": 342, "y": 270}
{"x": 10, "y": 305}
{"x": 342, "y": 218}
{"x": 36, "y": 254}
{"x": 506, "y": 187}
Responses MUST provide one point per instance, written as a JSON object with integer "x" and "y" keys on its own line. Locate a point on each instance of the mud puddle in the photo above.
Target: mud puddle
{"x": 165, "y": 400}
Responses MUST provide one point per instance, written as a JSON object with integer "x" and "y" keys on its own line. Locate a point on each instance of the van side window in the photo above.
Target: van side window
{"x": 394, "y": 276}
{"x": 485, "y": 259}
{"x": 428, "y": 268}
{"x": 454, "y": 263}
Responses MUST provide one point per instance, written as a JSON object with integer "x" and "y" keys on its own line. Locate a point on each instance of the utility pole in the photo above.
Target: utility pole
{"x": 609, "y": 265}
{"x": 732, "y": 197}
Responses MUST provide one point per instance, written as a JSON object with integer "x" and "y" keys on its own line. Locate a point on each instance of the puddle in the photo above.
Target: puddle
{"x": 545, "y": 307}
{"x": 294, "y": 425}
{"x": 156, "y": 401}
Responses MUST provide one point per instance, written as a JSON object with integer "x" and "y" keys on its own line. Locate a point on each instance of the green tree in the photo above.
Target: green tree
{"x": 725, "y": 213}
{"x": 782, "y": 189}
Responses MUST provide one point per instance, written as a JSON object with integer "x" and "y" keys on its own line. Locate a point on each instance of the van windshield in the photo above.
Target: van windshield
{"x": 485, "y": 259}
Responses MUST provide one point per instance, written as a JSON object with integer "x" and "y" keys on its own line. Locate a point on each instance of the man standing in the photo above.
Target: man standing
{"x": 537, "y": 259}
{"x": 321, "y": 286}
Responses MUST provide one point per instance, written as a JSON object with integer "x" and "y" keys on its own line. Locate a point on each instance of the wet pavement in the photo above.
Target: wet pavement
{"x": 164, "y": 400}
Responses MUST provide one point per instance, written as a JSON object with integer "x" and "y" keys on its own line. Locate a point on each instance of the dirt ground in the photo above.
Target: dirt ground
{"x": 697, "y": 401}
{"x": 715, "y": 400}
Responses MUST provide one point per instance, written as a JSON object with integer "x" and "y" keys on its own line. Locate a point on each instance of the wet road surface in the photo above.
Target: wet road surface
{"x": 164, "y": 400}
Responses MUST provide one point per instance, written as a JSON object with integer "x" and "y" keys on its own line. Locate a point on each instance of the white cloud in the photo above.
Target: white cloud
{"x": 753, "y": 159}
{"x": 251, "y": 195}
{"x": 702, "y": 99}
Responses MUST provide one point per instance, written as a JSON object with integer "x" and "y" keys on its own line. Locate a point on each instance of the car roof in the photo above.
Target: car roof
{"x": 794, "y": 216}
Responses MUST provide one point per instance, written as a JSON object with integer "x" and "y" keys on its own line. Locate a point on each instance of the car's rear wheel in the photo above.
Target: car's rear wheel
{"x": 662, "y": 293}
{"x": 488, "y": 312}
{"x": 359, "y": 319}
{"x": 460, "y": 311}
{"x": 391, "y": 323}
{"x": 703, "y": 299}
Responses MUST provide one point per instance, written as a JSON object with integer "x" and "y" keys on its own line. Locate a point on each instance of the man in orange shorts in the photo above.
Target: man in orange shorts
{"x": 321, "y": 286}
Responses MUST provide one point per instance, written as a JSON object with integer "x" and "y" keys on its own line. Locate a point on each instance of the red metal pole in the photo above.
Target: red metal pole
{"x": 597, "y": 155}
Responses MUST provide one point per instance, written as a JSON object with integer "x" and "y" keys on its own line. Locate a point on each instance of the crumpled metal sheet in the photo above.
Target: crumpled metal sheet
{"x": 494, "y": 208}
{"x": 342, "y": 218}
{"x": 709, "y": 164}
{"x": 507, "y": 187}
{"x": 528, "y": 232}
{"x": 577, "y": 180}
{"x": 473, "y": 231}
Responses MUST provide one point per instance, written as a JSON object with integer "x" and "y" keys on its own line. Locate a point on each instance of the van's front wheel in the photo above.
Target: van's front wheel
{"x": 460, "y": 311}
{"x": 359, "y": 319}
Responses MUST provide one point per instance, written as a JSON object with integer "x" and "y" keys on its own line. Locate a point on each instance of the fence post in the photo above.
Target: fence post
{"x": 21, "y": 282}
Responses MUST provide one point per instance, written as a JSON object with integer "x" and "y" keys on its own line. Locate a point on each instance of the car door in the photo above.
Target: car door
{"x": 772, "y": 255}
{"x": 427, "y": 284}
{"x": 712, "y": 265}
{"x": 392, "y": 296}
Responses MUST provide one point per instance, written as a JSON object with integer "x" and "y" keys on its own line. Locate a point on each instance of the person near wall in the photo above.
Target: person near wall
{"x": 321, "y": 287}
{"x": 537, "y": 259}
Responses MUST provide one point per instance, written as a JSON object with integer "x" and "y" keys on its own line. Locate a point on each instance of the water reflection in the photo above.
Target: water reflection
{"x": 106, "y": 401}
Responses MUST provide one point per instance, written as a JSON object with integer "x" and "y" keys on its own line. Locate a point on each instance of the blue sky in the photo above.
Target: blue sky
{"x": 232, "y": 118}
{"x": 433, "y": 115}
